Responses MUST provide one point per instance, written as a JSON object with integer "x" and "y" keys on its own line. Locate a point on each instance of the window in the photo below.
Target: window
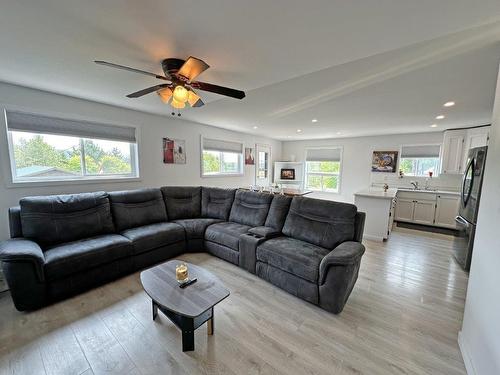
{"x": 221, "y": 158}
{"x": 323, "y": 169}
{"x": 51, "y": 149}
{"x": 420, "y": 160}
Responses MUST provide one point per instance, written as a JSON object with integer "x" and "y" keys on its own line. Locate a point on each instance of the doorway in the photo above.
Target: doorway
{"x": 263, "y": 165}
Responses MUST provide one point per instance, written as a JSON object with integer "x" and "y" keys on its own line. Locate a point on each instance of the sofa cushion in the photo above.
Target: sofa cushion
{"x": 182, "y": 202}
{"x": 278, "y": 211}
{"x": 68, "y": 258}
{"x": 135, "y": 208}
{"x": 195, "y": 228}
{"x": 149, "y": 237}
{"x": 320, "y": 222}
{"x": 297, "y": 257}
{"x": 56, "y": 219}
{"x": 226, "y": 233}
{"x": 250, "y": 208}
{"x": 216, "y": 202}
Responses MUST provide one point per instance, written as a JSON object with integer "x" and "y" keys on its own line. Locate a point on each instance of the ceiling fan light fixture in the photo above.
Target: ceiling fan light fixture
{"x": 165, "y": 95}
{"x": 177, "y": 104}
{"x": 192, "y": 98}
{"x": 180, "y": 94}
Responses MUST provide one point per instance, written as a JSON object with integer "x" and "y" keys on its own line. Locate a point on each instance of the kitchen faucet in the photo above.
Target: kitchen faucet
{"x": 415, "y": 184}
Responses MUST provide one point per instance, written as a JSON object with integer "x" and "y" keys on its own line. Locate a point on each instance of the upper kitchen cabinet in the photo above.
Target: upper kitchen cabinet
{"x": 476, "y": 137}
{"x": 453, "y": 148}
{"x": 456, "y": 146}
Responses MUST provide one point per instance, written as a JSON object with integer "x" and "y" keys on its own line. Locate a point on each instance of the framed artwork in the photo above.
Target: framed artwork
{"x": 249, "y": 156}
{"x": 174, "y": 151}
{"x": 287, "y": 174}
{"x": 384, "y": 161}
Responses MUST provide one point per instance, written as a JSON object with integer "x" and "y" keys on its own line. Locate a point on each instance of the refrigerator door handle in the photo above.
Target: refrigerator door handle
{"x": 462, "y": 221}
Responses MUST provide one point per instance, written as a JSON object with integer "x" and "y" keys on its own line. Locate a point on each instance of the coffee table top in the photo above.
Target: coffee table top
{"x": 160, "y": 284}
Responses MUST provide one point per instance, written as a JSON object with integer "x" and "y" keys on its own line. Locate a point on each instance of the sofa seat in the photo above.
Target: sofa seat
{"x": 195, "y": 228}
{"x": 69, "y": 258}
{"x": 153, "y": 236}
{"x": 226, "y": 234}
{"x": 296, "y": 257}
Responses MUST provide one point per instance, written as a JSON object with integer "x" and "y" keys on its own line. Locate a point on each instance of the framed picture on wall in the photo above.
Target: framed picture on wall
{"x": 249, "y": 156}
{"x": 174, "y": 151}
{"x": 384, "y": 161}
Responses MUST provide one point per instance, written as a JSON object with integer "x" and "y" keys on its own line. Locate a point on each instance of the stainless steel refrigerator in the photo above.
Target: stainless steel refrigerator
{"x": 469, "y": 205}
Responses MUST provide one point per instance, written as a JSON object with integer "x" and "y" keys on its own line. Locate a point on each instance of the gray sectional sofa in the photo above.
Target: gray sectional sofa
{"x": 61, "y": 245}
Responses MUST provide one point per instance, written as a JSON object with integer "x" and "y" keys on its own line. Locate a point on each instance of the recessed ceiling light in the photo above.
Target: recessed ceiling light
{"x": 255, "y": 127}
{"x": 299, "y": 130}
{"x": 434, "y": 126}
{"x": 338, "y": 133}
{"x": 449, "y": 104}
{"x": 440, "y": 117}
{"x": 314, "y": 120}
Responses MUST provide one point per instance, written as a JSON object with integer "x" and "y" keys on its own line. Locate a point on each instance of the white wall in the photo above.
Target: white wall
{"x": 151, "y": 130}
{"x": 480, "y": 336}
{"x": 356, "y": 162}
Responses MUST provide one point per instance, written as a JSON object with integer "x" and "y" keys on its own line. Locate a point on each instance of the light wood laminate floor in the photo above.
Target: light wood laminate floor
{"x": 403, "y": 317}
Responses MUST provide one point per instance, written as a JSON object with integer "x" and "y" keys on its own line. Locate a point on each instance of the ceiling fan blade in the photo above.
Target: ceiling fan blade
{"x": 149, "y": 90}
{"x": 221, "y": 90}
{"x": 123, "y": 67}
{"x": 192, "y": 68}
{"x": 194, "y": 99}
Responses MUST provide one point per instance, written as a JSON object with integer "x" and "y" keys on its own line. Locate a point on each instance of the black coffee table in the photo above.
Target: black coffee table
{"x": 188, "y": 308}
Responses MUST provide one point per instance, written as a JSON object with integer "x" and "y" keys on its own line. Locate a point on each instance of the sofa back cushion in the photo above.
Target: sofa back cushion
{"x": 62, "y": 218}
{"x": 216, "y": 202}
{"x": 182, "y": 202}
{"x": 278, "y": 212}
{"x": 320, "y": 222}
{"x": 135, "y": 208}
{"x": 250, "y": 208}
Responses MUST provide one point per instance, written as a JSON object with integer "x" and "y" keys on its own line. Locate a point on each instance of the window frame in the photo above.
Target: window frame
{"x": 439, "y": 157}
{"x": 323, "y": 174}
{"x": 15, "y": 182}
{"x": 240, "y": 154}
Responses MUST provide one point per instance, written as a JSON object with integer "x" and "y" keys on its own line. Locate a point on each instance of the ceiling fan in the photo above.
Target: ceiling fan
{"x": 180, "y": 85}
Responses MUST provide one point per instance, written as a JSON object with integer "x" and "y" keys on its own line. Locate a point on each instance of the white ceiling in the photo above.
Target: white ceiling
{"x": 359, "y": 67}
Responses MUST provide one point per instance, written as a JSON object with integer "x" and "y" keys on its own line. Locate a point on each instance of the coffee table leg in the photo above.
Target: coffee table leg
{"x": 155, "y": 310}
{"x": 187, "y": 340}
{"x": 210, "y": 324}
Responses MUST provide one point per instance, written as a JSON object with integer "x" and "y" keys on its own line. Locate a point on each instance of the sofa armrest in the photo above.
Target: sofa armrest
{"x": 345, "y": 254}
{"x": 23, "y": 250}
{"x": 248, "y": 250}
{"x": 22, "y": 264}
{"x": 265, "y": 232}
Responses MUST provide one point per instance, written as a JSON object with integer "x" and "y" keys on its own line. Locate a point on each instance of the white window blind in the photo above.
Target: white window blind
{"x": 222, "y": 146}
{"x": 323, "y": 154}
{"x": 422, "y": 151}
{"x": 32, "y": 123}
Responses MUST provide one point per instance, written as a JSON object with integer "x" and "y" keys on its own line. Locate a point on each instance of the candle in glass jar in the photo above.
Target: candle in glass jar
{"x": 181, "y": 272}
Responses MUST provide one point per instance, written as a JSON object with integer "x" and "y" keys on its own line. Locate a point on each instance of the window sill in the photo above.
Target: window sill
{"x": 25, "y": 184}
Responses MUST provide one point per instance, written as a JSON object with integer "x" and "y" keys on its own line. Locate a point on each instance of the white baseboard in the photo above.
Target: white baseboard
{"x": 465, "y": 354}
{"x": 373, "y": 238}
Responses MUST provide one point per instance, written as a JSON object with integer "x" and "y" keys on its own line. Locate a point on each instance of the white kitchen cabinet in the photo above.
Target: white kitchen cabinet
{"x": 452, "y": 153}
{"x": 423, "y": 212}
{"x": 427, "y": 208}
{"x": 404, "y": 209}
{"x": 475, "y": 137}
{"x": 446, "y": 210}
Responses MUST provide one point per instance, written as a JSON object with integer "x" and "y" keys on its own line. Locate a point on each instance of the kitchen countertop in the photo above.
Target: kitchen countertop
{"x": 377, "y": 193}
{"x": 391, "y": 193}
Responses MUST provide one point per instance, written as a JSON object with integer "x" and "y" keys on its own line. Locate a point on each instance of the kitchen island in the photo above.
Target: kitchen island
{"x": 379, "y": 208}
